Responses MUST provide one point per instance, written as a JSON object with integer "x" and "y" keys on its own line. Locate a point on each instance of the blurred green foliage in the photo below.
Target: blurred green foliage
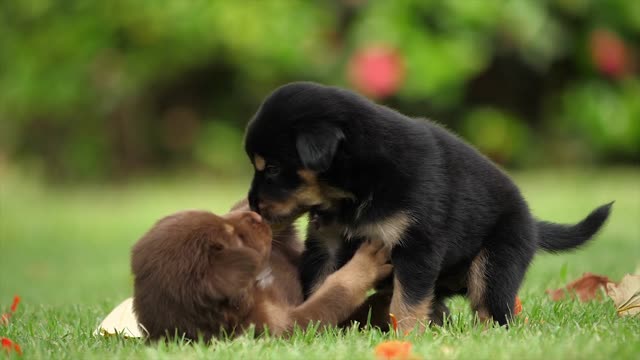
{"x": 108, "y": 88}
{"x": 496, "y": 134}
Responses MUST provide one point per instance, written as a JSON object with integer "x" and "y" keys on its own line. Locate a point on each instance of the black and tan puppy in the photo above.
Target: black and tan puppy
{"x": 196, "y": 273}
{"x": 456, "y": 222}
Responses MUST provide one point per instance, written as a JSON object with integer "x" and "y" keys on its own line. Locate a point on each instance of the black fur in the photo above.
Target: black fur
{"x": 557, "y": 237}
{"x": 461, "y": 203}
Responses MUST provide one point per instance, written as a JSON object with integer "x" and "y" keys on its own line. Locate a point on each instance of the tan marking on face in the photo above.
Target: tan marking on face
{"x": 409, "y": 315}
{"x": 311, "y": 192}
{"x": 326, "y": 192}
{"x": 259, "y": 162}
{"x": 390, "y": 229}
{"x": 477, "y": 285}
{"x": 282, "y": 208}
{"x": 308, "y": 195}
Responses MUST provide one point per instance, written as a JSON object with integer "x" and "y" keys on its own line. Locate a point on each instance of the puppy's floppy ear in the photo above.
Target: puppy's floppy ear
{"x": 233, "y": 271}
{"x": 318, "y": 144}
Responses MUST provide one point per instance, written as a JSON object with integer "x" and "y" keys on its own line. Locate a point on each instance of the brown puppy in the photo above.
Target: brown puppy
{"x": 200, "y": 274}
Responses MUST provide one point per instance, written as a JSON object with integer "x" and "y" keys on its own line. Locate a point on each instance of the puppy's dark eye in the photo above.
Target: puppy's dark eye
{"x": 272, "y": 170}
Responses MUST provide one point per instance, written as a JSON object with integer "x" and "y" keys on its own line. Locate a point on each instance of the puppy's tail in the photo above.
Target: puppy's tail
{"x": 558, "y": 237}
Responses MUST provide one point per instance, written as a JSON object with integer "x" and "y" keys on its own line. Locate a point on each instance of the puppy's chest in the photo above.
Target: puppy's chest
{"x": 389, "y": 229}
{"x": 341, "y": 239}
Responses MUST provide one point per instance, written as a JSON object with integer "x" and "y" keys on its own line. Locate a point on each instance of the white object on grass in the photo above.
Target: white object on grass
{"x": 121, "y": 321}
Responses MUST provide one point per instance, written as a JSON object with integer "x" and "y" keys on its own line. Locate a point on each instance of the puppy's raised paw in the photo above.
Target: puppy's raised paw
{"x": 372, "y": 257}
{"x": 376, "y": 249}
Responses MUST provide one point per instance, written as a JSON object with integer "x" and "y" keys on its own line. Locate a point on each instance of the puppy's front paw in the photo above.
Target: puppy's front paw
{"x": 374, "y": 251}
{"x": 372, "y": 257}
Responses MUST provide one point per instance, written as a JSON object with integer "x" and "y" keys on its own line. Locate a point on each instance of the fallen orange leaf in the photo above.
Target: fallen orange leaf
{"x": 585, "y": 288}
{"x": 4, "y": 318}
{"x": 14, "y": 305}
{"x": 396, "y": 350}
{"x": 394, "y": 322}
{"x": 8, "y": 345}
{"x": 517, "y": 309}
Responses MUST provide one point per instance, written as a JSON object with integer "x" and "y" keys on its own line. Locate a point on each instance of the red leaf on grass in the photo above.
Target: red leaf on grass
{"x": 517, "y": 309}
{"x": 4, "y": 319}
{"x": 16, "y": 301}
{"x": 585, "y": 288}
{"x": 396, "y": 350}
{"x": 394, "y": 322}
{"x": 9, "y": 346}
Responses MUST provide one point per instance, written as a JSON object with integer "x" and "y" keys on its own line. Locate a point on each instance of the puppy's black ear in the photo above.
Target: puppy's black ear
{"x": 317, "y": 145}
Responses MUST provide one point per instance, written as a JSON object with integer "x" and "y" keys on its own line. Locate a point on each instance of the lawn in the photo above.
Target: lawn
{"x": 65, "y": 251}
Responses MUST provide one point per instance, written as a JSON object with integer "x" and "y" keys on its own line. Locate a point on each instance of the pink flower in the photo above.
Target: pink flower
{"x": 609, "y": 53}
{"x": 377, "y": 71}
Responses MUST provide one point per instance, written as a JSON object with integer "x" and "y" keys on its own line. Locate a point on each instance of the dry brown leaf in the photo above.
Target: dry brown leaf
{"x": 626, "y": 295}
{"x": 586, "y": 288}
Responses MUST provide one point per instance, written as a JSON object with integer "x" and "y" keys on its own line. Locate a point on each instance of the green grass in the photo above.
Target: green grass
{"x": 66, "y": 252}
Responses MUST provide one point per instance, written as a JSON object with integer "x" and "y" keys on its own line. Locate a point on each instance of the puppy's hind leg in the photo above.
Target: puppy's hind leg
{"x": 497, "y": 271}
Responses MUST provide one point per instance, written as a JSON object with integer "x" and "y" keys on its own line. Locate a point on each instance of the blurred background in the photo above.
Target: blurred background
{"x": 102, "y": 90}
{"x": 114, "y": 113}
